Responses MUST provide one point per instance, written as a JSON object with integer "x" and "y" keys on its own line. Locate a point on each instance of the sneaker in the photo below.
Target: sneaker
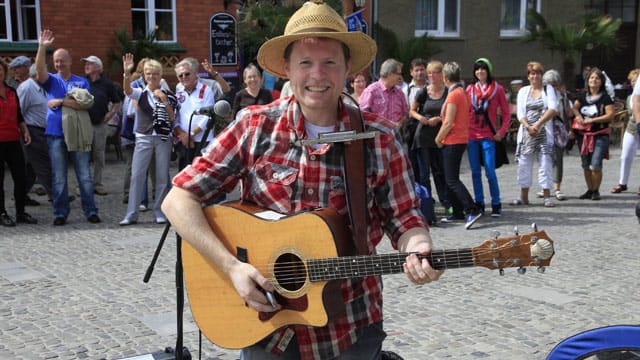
{"x": 559, "y": 195}
{"x": 30, "y": 202}
{"x": 143, "y": 208}
{"x": 59, "y": 221}
{"x": 94, "y": 219}
{"x": 586, "y": 195}
{"x": 595, "y": 195}
{"x": 451, "y": 218}
{"x": 161, "y": 220}
{"x": 6, "y": 220}
{"x": 127, "y": 222}
{"x": 480, "y": 206}
{"x": 496, "y": 210}
{"x": 540, "y": 194}
{"x": 25, "y": 218}
{"x": 471, "y": 219}
{"x": 99, "y": 190}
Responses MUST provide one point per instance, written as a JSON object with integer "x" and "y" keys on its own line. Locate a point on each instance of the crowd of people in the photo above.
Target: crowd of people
{"x": 423, "y": 128}
{"x": 547, "y": 118}
{"x": 437, "y": 126}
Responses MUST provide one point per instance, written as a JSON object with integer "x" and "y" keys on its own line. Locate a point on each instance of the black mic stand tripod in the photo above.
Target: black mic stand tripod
{"x": 179, "y": 279}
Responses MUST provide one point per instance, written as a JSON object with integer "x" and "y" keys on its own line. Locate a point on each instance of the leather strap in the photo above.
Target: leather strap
{"x": 354, "y": 171}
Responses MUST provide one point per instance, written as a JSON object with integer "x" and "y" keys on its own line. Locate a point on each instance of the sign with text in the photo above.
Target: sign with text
{"x": 223, "y": 29}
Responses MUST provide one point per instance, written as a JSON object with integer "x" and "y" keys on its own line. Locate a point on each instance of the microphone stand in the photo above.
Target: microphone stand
{"x": 181, "y": 352}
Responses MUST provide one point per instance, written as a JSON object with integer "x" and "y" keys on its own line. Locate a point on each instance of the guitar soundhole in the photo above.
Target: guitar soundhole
{"x": 290, "y": 272}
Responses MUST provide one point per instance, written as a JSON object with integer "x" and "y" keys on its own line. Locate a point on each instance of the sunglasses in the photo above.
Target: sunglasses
{"x": 183, "y": 75}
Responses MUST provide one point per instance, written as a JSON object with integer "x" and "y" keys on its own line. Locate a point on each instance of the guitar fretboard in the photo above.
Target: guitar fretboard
{"x": 383, "y": 264}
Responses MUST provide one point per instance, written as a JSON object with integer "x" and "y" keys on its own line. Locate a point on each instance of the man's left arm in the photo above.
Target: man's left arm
{"x": 418, "y": 240}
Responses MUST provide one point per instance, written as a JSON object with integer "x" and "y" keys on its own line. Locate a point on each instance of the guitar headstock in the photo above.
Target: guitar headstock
{"x": 533, "y": 249}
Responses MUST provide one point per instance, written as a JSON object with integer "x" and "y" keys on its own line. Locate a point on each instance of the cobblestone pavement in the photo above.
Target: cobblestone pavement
{"x": 76, "y": 291}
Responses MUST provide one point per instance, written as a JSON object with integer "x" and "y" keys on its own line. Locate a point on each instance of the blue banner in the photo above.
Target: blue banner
{"x": 355, "y": 22}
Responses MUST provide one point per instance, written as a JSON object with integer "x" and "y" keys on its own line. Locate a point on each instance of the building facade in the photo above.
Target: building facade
{"x": 466, "y": 30}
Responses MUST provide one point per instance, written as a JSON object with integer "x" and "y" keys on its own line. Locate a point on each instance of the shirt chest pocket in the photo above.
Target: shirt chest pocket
{"x": 273, "y": 185}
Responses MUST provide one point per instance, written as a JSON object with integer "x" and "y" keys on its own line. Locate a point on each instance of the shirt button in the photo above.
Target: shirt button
{"x": 310, "y": 191}
{"x": 312, "y": 157}
{"x": 276, "y": 176}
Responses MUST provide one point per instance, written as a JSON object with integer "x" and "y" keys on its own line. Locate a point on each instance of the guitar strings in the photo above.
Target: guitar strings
{"x": 292, "y": 272}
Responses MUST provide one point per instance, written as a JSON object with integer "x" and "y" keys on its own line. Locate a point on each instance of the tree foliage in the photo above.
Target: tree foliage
{"x": 573, "y": 38}
{"x": 261, "y": 21}
{"x": 405, "y": 51}
{"x": 141, "y": 48}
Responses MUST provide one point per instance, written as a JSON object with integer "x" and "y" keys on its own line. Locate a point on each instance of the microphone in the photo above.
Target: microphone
{"x": 222, "y": 108}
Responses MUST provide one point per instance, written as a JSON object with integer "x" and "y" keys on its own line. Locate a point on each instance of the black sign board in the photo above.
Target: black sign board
{"x": 224, "y": 39}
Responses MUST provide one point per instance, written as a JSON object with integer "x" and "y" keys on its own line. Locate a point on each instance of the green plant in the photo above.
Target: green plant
{"x": 404, "y": 51}
{"x": 573, "y": 38}
{"x": 144, "y": 47}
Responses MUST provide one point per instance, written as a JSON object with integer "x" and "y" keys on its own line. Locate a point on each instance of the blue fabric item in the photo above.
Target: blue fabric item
{"x": 590, "y": 342}
{"x": 426, "y": 203}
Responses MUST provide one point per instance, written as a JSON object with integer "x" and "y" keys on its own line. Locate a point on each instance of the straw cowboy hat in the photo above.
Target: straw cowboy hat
{"x": 316, "y": 19}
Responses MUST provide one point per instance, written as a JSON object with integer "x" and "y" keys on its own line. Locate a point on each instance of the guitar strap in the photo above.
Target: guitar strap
{"x": 354, "y": 172}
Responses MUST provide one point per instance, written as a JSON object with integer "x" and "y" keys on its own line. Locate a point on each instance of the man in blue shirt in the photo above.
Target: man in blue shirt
{"x": 57, "y": 86}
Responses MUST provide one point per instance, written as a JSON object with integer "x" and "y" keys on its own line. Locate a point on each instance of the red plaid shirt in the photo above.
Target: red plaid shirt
{"x": 260, "y": 149}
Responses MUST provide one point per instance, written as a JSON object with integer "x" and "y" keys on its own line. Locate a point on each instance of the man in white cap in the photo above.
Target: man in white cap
{"x": 106, "y": 103}
{"x": 264, "y": 149}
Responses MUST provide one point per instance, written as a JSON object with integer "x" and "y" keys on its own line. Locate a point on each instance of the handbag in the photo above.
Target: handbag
{"x": 560, "y": 134}
{"x": 501, "y": 149}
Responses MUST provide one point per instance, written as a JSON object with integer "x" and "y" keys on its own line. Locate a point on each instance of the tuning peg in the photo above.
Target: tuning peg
{"x": 501, "y": 271}
{"x": 522, "y": 270}
{"x": 495, "y": 234}
{"x": 541, "y": 269}
{"x": 515, "y": 230}
{"x": 534, "y": 227}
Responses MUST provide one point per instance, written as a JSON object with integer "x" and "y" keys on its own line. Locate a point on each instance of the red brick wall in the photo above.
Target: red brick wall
{"x": 88, "y": 28}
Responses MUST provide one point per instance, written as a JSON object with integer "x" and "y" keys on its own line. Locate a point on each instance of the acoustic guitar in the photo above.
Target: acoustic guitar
{"x": 305, "y": 256}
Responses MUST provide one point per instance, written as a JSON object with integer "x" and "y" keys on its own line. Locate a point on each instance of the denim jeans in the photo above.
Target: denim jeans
{"x": 59, "y": 166}
{"x": 480, "y": 151}
{"x": 593, "y": 161}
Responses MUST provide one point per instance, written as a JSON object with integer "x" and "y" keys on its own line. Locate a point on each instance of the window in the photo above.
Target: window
{"x": 513, "y": 16}
{"x": 19, "y": 20}
{"x": 439, "y": 18}
{"x": 150, "y": 15}
{"x": 623, "y": 9}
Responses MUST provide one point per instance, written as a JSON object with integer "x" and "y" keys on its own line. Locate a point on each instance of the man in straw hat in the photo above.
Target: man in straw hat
{"x": 262, "y": 149}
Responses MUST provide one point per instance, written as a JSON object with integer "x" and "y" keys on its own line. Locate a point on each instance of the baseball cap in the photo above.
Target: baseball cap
{"x": 93, "y": 59}
{"x": 20, "y": 61}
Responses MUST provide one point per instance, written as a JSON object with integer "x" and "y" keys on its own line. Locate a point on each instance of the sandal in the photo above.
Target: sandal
{"x": 618, "y": 189}
{"x": 518, "y": 202}
{"x": 549, "y": 203}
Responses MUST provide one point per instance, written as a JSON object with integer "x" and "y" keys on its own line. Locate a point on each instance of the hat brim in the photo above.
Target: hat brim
{"x": 362, "y": 48}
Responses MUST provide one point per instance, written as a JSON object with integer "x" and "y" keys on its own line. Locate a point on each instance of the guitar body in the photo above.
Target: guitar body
{"x": 221, "y": 314}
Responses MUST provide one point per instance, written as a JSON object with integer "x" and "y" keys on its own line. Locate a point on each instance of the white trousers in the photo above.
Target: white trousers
{"x": 525, "y": 170}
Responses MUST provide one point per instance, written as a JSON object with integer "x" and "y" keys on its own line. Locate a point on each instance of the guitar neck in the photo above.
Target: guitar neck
{"x": 383, "y": 264}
